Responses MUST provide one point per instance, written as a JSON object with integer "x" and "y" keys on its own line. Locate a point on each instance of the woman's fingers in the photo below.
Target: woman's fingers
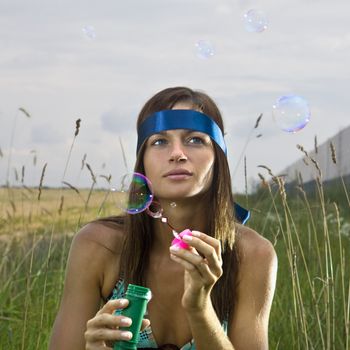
{"x": 109, "y": 321}
{"x": 113, "y": 305}
{"x": 145, "y": 324}
{"x": 106, "y": 327}
{"x": 207, "y": 245}
{"x": 188, "y": 262}
{"x": 211, "y": 253}
{"x": 106, "y": 334}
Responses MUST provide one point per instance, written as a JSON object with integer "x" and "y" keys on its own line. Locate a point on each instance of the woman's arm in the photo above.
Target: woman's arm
{"x": 249, "y": 327}
{"x": 257, "y": 280}
{"x": 82, "y": 291}
{"x": 207, "y": 330}
{"x": 201, "y": 273}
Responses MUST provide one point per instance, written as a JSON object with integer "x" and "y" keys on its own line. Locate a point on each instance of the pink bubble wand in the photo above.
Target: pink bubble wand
{"x": 178, "y": 240}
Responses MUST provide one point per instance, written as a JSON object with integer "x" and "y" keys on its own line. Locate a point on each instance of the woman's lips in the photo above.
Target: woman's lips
{"x": 178, "y": 174}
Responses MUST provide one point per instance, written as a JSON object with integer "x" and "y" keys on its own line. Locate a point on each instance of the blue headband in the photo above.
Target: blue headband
{"x": 180, "y": 119}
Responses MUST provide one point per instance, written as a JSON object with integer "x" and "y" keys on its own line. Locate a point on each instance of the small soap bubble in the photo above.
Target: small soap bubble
{"x": 204, "y": 49}
{"x": 173, "y": 204}
{"x": 291, "y": 113}
{"x": 134, "y": 194}
{"x": 255, "y": 21}
{"x": 89, "y": 32}
{"x": 155, "y": 210}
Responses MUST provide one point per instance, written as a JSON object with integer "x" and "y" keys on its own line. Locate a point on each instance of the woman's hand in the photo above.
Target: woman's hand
{"x": 103, "y": 329}
{"x": 203, "y": 267}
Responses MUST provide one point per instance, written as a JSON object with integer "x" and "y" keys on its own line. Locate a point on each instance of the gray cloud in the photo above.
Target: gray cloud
{"x": 117, "y": 121}
{"x": 45, "y": 133}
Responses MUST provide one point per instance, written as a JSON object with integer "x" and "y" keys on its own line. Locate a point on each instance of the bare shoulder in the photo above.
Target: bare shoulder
{"x": 100, "y": 235}
{"x": 258, "y": 261}
{"x": 255, "y": 290}
{"x": 256, "y": 276}
{"x": 254, "y": 248}
{"x": 99, "y": 246}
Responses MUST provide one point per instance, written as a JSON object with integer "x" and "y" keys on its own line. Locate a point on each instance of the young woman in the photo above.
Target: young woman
{"x": 215, "y": 295}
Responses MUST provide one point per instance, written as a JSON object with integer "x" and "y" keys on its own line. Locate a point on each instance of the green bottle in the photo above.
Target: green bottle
{"x": 138, "y": 298}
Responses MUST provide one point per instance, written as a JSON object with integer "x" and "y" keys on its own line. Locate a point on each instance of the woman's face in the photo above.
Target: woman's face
{"x": 179, "y": 163}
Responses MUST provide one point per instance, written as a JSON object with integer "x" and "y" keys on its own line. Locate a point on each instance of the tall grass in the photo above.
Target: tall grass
{"x": 33, "y": 258}
{"x": 311, "y": 234}
{"x": 36, "y": 227}
{"x": 309, "y": 229}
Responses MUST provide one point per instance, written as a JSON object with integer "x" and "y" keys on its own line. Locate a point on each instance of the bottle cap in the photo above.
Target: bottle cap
{"x": 139, "y": 292}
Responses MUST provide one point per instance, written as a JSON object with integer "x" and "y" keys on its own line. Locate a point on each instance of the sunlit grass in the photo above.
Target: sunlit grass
{"x": 34, "y": 240}
{"x": 310, "y": 234}
{"x": 21, "y": 212}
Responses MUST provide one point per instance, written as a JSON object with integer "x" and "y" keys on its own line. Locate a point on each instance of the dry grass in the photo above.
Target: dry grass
{"x": 21, "y": 212}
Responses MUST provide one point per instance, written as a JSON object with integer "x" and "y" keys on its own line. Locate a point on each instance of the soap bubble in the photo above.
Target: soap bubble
{"x": 291, "y": 113}
{"x": 204, "y": 49}
{"x": 134, "y": 194}
{"x": 173, "y": 204}
{"x": 89, "y": 32}
{"x": 155, "y": 210}
{"x": 255, "y": 21}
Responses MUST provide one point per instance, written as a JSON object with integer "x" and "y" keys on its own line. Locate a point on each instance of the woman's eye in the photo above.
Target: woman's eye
{"x": 158, "y": 142}
{"x": 195, "y": 140}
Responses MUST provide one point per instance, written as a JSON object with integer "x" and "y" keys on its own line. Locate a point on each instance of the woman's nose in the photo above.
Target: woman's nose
{"x": 177, "y": 153}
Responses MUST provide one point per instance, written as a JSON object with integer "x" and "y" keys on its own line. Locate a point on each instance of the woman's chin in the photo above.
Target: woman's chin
{"x": 179, "y": 196}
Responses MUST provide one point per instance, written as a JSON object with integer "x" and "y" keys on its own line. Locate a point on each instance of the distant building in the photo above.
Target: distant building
{"x": 305, "y": 170}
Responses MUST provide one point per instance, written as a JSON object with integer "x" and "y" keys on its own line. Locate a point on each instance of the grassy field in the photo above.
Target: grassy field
{"x": 310, "y": 232}
{"x": 34, "y": 242}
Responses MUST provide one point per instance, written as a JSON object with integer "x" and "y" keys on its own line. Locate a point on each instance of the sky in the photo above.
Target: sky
{"x": 57, "y": 73}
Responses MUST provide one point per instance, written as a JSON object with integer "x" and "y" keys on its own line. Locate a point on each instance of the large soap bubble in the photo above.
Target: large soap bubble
{"x": 291, "y": 113}
{"x": 255, "y": 21}
{"x": 204, "y": 49}
{"x": 89, "y": 32}
{"x": 134, "y": 193}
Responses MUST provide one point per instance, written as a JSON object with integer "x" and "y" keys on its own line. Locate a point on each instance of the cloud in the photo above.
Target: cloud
{"x": 46, "y": 133}
{"x": 117, "y": 121}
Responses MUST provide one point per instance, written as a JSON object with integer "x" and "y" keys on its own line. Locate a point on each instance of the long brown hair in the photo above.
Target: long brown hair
{"x": 138, "y": 228}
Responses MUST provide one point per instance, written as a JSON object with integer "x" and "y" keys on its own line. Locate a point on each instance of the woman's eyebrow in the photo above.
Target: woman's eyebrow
{"x": 185, "y": 132}
{"x": 159, "y": 133}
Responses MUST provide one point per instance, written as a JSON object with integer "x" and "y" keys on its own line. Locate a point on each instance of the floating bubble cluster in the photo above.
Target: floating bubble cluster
{"x": 89, "y": 32}
{"x": 255, "y": 21}
{"x": 204, "y": 49}
{"x": 291, "y": 113}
